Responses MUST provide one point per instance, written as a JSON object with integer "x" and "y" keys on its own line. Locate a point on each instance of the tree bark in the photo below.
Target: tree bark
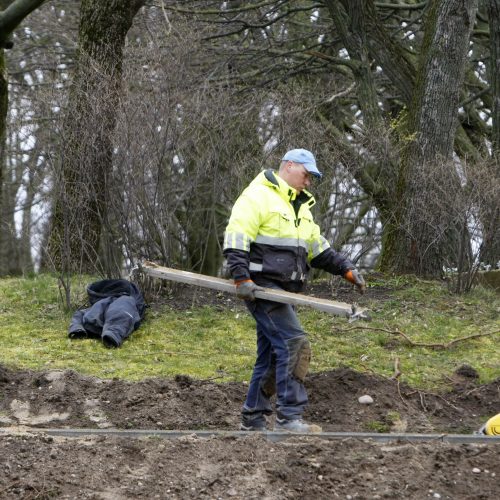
{"x": 4, "y": 103}
{"x": 352, "y": 21}
{"x": 12, "y": 13}
{"x": 490, "y": 211}
{"x": 349, "y": 20}
{"x": 494, "y": 71}
{"x": 80, "y": 213}
{"x": 419, "y": 240}
{"x": 397, "y": 64}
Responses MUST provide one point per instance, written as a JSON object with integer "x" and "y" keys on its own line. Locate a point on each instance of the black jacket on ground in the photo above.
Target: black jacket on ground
{"x": 116, "y": 309}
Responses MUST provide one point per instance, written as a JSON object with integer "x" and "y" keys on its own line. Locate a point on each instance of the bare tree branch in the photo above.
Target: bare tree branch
{"x": 445, "y": 345}
{"x": 12, "y": 16}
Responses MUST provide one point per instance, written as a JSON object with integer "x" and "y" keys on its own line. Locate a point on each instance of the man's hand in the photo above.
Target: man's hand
{"x": 356, "y": 279}
{"x": 245, "y": 289}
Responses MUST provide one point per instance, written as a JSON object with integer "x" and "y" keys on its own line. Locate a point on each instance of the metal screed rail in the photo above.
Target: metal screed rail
{"x": 269, "y": 435}
{"x": 349, "y": 311}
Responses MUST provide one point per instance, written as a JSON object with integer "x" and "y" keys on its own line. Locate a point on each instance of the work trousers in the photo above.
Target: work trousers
{"x": 112, "y": 318}
{"x": 279, "y": 338}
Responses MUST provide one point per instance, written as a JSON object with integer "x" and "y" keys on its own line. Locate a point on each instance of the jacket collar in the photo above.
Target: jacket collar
{"x": 271, "y": 179}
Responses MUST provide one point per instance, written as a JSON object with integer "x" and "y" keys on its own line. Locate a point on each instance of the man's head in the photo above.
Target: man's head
{"x": 297, "y": 167}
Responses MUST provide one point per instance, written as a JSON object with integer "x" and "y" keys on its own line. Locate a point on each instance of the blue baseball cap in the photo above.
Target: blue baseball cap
{"x": 306, "y": 158}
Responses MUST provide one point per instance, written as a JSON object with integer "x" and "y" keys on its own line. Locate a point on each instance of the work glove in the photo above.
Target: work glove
{"x": 356, "y": 279}
{"x": 245, "y": 289}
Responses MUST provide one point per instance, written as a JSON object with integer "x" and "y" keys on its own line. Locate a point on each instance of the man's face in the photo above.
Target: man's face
{"x": 297, "y": 176}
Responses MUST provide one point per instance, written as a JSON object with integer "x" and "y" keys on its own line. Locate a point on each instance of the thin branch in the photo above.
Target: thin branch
{"x": 399, "y": 392}
{"x": 167, "y": 20}
{"x": 397, "y": 371}
{"x": 422, "y": 400}
{"x": 14, "y": 483}
{"x": 446, "y": 345}
{"x": 351, "y": 63}
{"x": 343, "y": 93}
{"x": 401, "y": 6}
{"x": 422, "y": 395}
{"x": 14, "y": 14}
{"x": 474, "y": 97}
{"x": 211, "y": 12}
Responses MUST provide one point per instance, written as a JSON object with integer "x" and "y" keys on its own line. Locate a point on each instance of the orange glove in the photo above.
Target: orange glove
{"x": 356, "y": 279}
{"x": 245, "y": 289}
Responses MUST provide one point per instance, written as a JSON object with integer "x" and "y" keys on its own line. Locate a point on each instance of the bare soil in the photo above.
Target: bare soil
{"x": 106, "y": 467}
{"x": 36, "y": 465}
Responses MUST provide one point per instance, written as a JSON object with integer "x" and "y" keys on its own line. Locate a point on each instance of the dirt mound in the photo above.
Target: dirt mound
{"x": 38, "y": 466}
{"x": 65, "y": 398}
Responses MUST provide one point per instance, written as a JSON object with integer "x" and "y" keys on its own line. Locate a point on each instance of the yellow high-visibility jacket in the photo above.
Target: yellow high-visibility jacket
{"x": 271, "y": 233}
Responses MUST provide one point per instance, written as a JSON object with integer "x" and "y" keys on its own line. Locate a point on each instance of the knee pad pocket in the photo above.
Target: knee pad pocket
{"x": 268, "y": 380}
{"x": 300, "y": 357}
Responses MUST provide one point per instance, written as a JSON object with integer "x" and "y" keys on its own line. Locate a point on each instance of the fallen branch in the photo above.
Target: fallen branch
{"x": 397, "y": 372}
{"x": 446, "y": 401}
{"x": 446, "y": 345}
{"x": 422, "y": 395}
{"x": 11, "y": 485}
{"x": 480, "y": 388}
{"x": 399, "y": 392}
{"x": 422, "y": 401}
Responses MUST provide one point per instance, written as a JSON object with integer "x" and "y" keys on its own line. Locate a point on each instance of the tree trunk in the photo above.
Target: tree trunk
{"x": 490, "y": 211}
{"x": 352, "y": 21}
{"x": 4, "y": 101}
{"x": 362, "y": 32}
{"x": 86, "y": 150}
{"x": 494, "y": 70}
{"x": 14, "y": 252}
{"x": 419, "y": 238}
{"x": 12, "y": 13}
{"x": 396, "y": 62}
{"x": 9, "y": 248}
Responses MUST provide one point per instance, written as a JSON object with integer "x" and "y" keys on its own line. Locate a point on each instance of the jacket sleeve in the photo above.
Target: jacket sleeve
{"x": 332, "y": 262}
{"x": 323, "y": 256}
{"x": 237, "y": 263}
{"x": 241, "y": 231}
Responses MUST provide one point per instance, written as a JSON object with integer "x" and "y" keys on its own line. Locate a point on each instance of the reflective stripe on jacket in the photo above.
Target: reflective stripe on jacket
{"x": 273, "y": 225}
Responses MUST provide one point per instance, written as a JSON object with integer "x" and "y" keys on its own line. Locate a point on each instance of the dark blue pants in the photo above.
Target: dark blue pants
{"x": 278, "y": 331}
{"x": 112, "y": 318}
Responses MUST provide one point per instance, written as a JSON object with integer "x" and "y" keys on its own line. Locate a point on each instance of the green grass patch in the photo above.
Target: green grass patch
{"x": 428, "y": 314}
{"x": 208, "y": 343}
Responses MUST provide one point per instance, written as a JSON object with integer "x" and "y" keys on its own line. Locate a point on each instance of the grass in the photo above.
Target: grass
{"x": 207, "y": 343}
{"x": 427, "y": 313}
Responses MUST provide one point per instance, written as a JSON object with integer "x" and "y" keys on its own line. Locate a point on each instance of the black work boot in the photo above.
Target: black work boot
{"x": 253, "y": 422}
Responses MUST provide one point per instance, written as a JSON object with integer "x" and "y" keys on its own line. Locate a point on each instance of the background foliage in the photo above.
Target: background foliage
{"x": 132, "y": 127}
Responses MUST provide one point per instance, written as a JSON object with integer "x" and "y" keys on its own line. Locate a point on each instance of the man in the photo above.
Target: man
{"x": 272, "y": 241}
